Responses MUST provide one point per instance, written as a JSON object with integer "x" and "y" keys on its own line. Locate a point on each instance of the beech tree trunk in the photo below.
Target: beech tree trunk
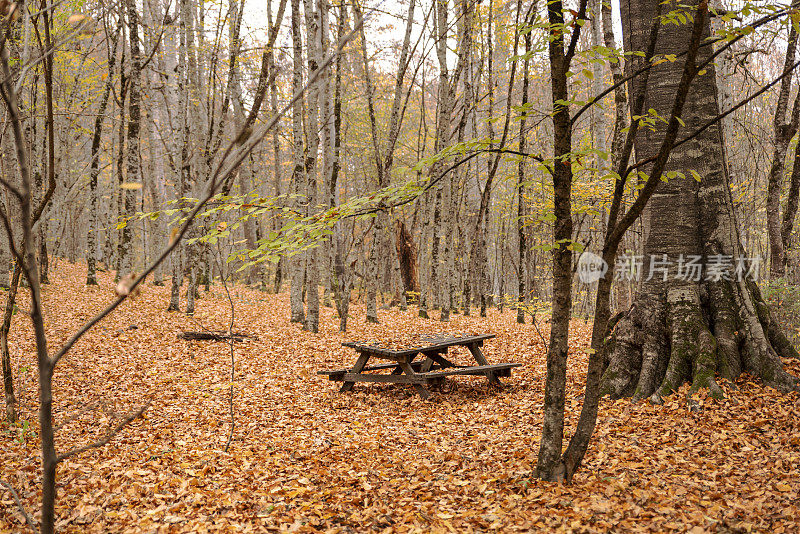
{"x": 133, "y": 162}
{"x": 91, "y": 235}
{"x": 783, "y": 132}
{"x": 298, "y": 266}
{"x": 522, "y": 252}
{"x": 687, "y": 325}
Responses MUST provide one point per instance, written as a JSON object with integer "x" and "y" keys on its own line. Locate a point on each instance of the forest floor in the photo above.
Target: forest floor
{"x": 305, "y": 457}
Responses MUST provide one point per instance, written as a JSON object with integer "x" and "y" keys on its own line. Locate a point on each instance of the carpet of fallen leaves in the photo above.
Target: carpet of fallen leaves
{"x": 305, "y": 457}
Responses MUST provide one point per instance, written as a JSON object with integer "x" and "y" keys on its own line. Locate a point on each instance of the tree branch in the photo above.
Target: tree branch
{"x": 108, "y": 436}
{"x": 17, "y": 500}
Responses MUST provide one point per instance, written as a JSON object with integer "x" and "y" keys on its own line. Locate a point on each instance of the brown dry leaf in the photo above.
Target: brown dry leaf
{"x": 308, "y": 458}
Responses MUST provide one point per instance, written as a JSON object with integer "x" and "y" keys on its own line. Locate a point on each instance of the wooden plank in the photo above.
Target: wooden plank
{"x": 384, "y": 379}
{"x": 424, "y": 393}
{"x": 426, "y": 365}
{"x": 397, "y": 353}
{"x": 474, "y": 370}
{"x": 381, "y": 367}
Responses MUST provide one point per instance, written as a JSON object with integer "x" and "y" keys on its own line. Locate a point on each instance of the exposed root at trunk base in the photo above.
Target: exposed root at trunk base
{"x": 694, "y": 333}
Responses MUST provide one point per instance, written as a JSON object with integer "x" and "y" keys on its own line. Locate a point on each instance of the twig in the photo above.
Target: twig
{"x": 109, "y": 435}
{"x": 536, "y": 326}
{"x": 28, "y": 519}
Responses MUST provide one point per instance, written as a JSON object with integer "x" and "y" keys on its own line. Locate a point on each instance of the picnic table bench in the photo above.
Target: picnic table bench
{"x": 431, "y": 368}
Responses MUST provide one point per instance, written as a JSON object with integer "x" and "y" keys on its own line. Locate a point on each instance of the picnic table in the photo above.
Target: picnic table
{"x": 431, "y": 368}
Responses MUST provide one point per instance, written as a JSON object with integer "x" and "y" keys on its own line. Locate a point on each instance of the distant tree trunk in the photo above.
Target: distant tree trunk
{"x": 5, "y": 259}
{"x": 521, "y": 187}
{"x": 184, "y": 164}
{"x": 133, "y": 161}
{"x": 441, "y": 140}
{"x": 480, "y": 261}
{"x": 50, "y": 125}
{"x": 378, "y": 225}
{"x": 276, "y": 143}
{"x": 314, "y": 49}
{"x": 119, "y": 192}
{"x": 298, "y": 173}
{"x": 783, "y": 133}
{"x": 94, "y": 172}
{"x": 340, "y": 276}
{"x": 407, "y": 253}
{"x": 5, "y": 328}
{"x": 789, "y": 214}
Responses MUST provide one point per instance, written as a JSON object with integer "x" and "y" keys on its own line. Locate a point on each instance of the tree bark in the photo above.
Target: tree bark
{"x": 783, "y": 132}
{"x": 298, "y": 174}
{"x": 94, "y": 172}
{"x": 547, "y": 465}
{"x": 522, "y": 249}
{"x": 133, "y": 161}
{"x": 687, "y": 325}
{"x": 314, "y": 49}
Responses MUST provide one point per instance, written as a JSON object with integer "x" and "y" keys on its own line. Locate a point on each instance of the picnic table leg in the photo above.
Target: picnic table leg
{"x": 424, "y": 393}
{"x": 399, "y": 370}
{"x": 481, "y": 359}
{"x": 363, "y": 357}
{"x": 441, "y": 360}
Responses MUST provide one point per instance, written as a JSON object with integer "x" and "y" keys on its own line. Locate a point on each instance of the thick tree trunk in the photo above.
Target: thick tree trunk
{"x": 690, "y": 324}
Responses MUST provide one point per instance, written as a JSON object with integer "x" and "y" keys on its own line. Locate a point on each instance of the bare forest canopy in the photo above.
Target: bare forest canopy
{"x": 455, "y": 159}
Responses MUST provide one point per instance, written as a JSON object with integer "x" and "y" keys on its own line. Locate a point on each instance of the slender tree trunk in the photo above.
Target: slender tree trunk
{"x": 783, "y": 133}
{"x": 133, "y": 177}
{"x": 5, "y": 353}
{"x": 184, "y": 164}
{"x": 94, "y": 172}
{"x": 790, "y": 213}
{"x": 298, "y": 174}
{"x": 341, "y": 278}
{"x": 547, "y": 465}
{"x": 579, "y": 443}
{"x": 276, "y": 143}
{"x": 314, "y": 49}
{"x": 521, "y": 187}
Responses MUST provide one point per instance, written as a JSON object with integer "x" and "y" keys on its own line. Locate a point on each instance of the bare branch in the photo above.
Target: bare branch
{"x": 28, "y": 519}
{"x": 108, "y": 436}
{"x": 760, "y": 22}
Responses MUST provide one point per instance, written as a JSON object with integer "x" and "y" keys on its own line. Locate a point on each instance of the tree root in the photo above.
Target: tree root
{"x": 694, "y": 333}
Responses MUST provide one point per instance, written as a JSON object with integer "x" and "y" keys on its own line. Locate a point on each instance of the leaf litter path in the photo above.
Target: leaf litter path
{"x": 306, "y": 457}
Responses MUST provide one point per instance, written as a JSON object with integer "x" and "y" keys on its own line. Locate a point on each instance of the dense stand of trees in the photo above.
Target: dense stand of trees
{"x": 148, "y": 92}
{"x": 474, "y": 124}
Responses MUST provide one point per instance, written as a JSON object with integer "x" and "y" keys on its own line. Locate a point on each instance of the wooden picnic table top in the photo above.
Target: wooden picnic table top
{"x": 429, "y": 343}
